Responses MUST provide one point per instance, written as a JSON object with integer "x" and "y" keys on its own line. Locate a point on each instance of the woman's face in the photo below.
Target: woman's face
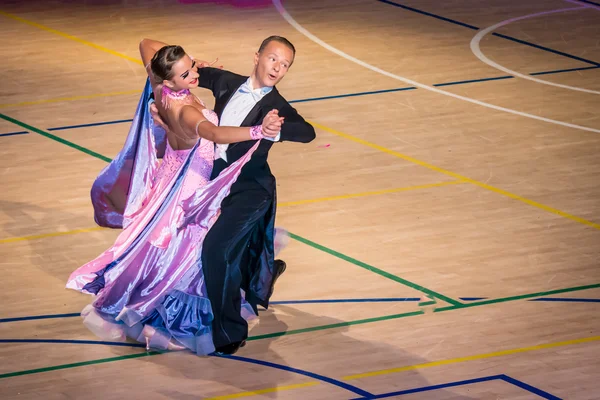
{"x": 185, "y": 74}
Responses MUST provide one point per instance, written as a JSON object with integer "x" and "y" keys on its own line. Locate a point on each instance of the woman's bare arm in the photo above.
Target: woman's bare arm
{"x": 194, "y": 123}
{"x": 148, "y": 49}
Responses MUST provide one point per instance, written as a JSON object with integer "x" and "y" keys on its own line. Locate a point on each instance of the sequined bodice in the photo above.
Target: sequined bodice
{"x": 201, "y": 165}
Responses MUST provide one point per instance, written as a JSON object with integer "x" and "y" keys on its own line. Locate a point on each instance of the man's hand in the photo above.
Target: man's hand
{"x": 156, "y": 117}
{"x": 271, "y": 125}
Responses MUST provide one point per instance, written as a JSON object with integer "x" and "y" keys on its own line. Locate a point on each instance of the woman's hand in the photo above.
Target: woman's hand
{"x": 271, "y": 125}
{"x": 204, "y": 64}
{"x": 156, "y": 117}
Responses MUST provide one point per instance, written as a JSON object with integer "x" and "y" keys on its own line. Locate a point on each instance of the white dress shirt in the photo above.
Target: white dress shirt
{"x": 237, "y": 109}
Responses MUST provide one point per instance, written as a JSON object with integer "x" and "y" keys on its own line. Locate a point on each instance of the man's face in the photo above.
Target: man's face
{"x": 271, "y": 65}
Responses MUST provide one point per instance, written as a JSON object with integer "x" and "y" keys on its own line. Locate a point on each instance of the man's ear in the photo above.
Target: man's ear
{"x": 256, "y": 56}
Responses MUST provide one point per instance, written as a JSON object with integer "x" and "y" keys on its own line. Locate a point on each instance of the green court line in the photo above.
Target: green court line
{"x": 296, "y": 237}
{"x": 258, "y": 337}
{"x": 304, "y": 330}
{"x": 271, "y": 335}
{"x": 54, "y": 137}
{"x": 376, "y": 270}
{"x": 333, "y": 326}
{"x": 293, "y": 236}
{"x": 455, "y": 304}
{"x": 520, "y": 297}
{"x": 79, "y": 364}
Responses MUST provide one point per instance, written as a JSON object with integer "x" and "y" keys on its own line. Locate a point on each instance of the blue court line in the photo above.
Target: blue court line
{"x": 378, "y": 300}
{"x": 537, "y": 46}
{"x": 71, "y": 341}
{"x": 321, "y": 378}
{"x": 13, "y": 133}
{"x": 550, "y": 299}
{"x": 415, "y": 299}
{"x": 567, "y": 300}
{"x": 371, "y": 300}
{"x": 502, "y": 377}
{"x": 475, "y": 80}
{"x": 453, "y": 21}
{"x": 328, "y": 301}
{"x": 558, "y": 71}
{"x": 34, "y": 317}
{"x": 529, "y": 388}
{"x": 339, "y": 96}
{"x": 62, "y": 128}
{"x": 325, "y": 301}
{"x": 589, "y": 2}
{"x": 313, "y": 375}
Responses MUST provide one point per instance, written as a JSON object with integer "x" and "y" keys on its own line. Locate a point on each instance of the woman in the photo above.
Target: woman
{"x": 149, "y": 285}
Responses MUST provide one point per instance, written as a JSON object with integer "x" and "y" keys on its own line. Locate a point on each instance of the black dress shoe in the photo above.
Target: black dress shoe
{"x": 230, "y": 348}
{"x": 279, "y": 268}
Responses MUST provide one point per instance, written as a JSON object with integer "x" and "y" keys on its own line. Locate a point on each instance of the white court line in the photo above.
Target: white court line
{"x": 479, "y": 54}
{"x": 301, "y": 29}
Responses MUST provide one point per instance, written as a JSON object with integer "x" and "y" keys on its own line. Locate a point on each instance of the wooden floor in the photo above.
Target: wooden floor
{"x": 445, "y": 222}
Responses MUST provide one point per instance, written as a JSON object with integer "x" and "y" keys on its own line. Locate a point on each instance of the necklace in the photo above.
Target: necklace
{"x": 169, "y": 96}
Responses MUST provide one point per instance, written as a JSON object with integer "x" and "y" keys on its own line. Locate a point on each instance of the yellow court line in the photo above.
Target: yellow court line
{"x": 458, "y": 176}
{"x": 377, "y": 147}
{"x": 285, "y": 204}
{"x": 82, "y": 41}
{"x": 420, "y": 366}
{"x": 264, "y": 391}
{"x": 71, "y": 37}
{"x": 364, "y": 194}
{"x": 57, "y": 100}
{"x": 51, "y": 234}
{"x": 349, "y": 137}
{"x": 472, "y": 358}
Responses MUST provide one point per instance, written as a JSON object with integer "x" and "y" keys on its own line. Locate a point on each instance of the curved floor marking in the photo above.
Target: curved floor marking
{"x": 73, "y": 341}
{"x": 305, "y": 32}
{"x": 589, "y": 3}
{"x": 318, "y": 377}
{"x": 313, "y": 375}
{"x": 475, "y": 48}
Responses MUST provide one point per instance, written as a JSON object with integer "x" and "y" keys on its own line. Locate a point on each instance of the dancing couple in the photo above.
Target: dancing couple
{"x": 196, "y": 255}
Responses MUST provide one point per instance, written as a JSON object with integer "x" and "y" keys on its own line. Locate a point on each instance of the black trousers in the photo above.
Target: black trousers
{"x": 229, "y": 257}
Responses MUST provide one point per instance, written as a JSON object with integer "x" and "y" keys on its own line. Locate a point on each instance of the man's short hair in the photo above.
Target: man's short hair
{"x": 279, "y": 39}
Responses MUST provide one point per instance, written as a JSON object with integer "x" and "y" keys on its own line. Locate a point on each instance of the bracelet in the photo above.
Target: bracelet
{"x": 198, "y": 124}
{"x": 256, "y": 132}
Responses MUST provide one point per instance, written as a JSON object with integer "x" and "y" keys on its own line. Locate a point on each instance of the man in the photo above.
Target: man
{"x": 238, "y": 251}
